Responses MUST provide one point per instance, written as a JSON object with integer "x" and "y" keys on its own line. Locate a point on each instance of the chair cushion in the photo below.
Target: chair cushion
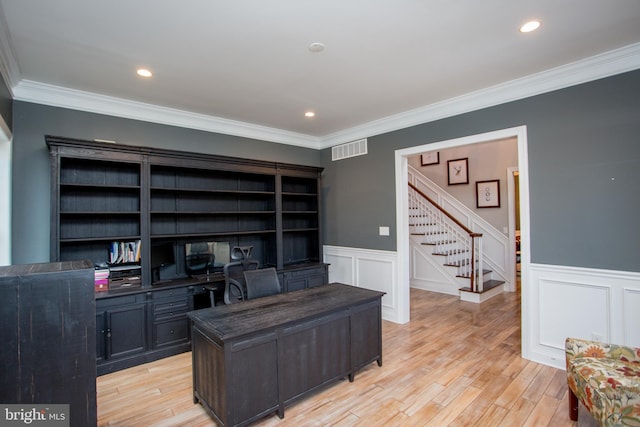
{"x": 609, "y": 388}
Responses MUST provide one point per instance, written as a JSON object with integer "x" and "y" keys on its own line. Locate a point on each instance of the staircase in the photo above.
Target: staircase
{"x": 456, "y": 247}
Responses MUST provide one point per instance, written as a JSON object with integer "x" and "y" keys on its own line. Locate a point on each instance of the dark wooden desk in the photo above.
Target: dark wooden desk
{"x": 253, "y": 358}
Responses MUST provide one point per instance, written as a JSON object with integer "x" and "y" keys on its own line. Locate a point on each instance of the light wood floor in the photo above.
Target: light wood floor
{"x": 454, "y": 364}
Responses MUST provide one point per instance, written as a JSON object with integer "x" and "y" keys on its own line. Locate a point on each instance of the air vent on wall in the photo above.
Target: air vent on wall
{"x": 350, "y": 149}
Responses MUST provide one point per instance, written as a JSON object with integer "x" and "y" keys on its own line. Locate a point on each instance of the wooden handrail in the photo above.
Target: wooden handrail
{"x": 474, "y": 238}
{"x": 441, "y": 209}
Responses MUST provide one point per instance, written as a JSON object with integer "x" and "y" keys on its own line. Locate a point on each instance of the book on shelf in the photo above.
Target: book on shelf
{"x": 124, "y": 252}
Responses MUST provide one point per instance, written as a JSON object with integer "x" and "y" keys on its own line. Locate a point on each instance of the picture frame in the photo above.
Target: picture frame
{"x": 458, "y": 171}
{"x": 488, "y": 194}
{"x": 430, "y": 158}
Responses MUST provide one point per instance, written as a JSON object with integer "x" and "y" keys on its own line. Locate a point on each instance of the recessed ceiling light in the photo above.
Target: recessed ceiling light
{"x": 143, "y": 72}
{"x": 316, "y": 47}
{"x": 530, "y": 26}
{"x": 309, "y": 114}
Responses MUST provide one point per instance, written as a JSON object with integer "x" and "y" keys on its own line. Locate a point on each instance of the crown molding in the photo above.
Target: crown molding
{"x": 596, "y": 67}
{"x": 593, "y": 68}
{"x": 8, "y": 65}
{"x": 57, "y": 96}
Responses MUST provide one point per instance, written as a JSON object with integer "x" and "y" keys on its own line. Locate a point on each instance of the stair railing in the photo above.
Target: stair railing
{"x": 461, "y": 246}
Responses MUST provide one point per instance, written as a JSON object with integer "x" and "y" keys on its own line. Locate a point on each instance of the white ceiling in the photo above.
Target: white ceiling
{"x": 243, "y": 66}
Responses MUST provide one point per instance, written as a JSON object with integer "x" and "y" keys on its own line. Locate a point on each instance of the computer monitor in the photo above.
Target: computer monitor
{"x": 206, "y": 257}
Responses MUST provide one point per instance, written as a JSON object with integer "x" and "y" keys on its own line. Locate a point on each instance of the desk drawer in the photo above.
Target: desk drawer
{"x": 170, "y": 309}
{"x": 106, "y": 302}
{"x": 171, "y": 332}
{"x": 175, "y": 292}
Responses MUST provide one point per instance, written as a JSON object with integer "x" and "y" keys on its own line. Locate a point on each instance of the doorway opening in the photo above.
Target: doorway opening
{"x": 403, "y": 252}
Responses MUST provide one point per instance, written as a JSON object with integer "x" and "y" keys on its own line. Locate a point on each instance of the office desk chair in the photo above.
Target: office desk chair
{"x": 262, "y": 282}
{"x": 234, "y": 282}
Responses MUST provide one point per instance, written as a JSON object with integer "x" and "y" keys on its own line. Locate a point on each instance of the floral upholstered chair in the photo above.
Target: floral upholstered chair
{"x": 605, "y": 378}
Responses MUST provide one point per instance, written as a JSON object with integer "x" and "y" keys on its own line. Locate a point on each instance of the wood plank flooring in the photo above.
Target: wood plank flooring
{"x": 454, "y": 364}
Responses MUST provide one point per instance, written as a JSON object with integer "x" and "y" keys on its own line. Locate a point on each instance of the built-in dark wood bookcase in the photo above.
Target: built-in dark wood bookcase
{"x": 299, "y": 219}
{"x": 189, "y": 204}
{"x": 106, "y": 192}
{"x": 103, "y": 193}
{"x": 98, "y": 202}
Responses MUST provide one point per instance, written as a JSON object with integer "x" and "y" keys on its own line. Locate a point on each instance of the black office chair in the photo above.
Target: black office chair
{"x": 234, "y": 282}
{"x": 262, "y": 282}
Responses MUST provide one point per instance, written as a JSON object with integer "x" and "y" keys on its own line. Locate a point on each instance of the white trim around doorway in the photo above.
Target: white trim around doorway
{"x": 401, "y": 169}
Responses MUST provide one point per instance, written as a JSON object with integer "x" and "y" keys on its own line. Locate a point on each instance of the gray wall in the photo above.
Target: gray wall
{"x": 584, "y": 158}
{"x": 31, "y": 192}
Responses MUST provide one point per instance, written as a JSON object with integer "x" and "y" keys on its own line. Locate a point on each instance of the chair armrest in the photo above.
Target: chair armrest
{"x": 575, "y": 347}
{"x": 233, "y": 291}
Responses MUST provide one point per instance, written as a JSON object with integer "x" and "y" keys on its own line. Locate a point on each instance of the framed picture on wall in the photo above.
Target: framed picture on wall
{"x": 430, "y": 158}
{"x": 458, "y": 171}
{"x": 488, "y": 194}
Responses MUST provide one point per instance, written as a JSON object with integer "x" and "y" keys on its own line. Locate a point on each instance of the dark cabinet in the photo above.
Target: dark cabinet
{"x": 139, "y": 326}
{"x": 121, "y": 330}
{"x": 122, "y": 338}
{"x": 305, "y": 276}
{"x": 169, "y": 309}
{"x": 47, "y": 331}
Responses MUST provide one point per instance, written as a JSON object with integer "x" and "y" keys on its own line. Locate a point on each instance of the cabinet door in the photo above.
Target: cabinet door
{"x": 126, "y": 331}
{"x": 101, "y": 336}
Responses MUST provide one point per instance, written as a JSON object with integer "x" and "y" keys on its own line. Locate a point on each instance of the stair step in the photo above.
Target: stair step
{"x": 453, "y": 252}
{"x": 466, "y": 276}
{"x": 429, "y": 233}
{"x": 486, "y": 286}
{"x": 460, "y": 263}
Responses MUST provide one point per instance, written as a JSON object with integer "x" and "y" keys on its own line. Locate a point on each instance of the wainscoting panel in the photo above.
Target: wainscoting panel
{"x": 582, "y": 308}
{"x": 366, "y": 268}
{"x": 560, "y": 302}
{"x": 631, "y": 319}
